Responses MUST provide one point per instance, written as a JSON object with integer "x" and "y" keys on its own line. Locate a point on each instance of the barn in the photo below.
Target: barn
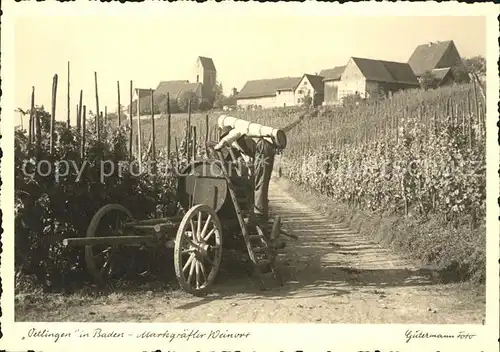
{"x": 435, "y": 55}
{"x": 331, "y": 80}
{"x": 371, "y": 78}
{"x": 268, "y": 93}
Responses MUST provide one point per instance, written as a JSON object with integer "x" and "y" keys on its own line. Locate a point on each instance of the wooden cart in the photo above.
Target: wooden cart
{"x": 218, "y": 200}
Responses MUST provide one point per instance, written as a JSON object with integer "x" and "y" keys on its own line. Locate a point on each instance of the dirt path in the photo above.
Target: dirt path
{"x": 332, "y": 275}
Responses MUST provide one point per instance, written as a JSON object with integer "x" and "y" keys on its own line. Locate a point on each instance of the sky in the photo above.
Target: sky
{"x": 243, "y": 48}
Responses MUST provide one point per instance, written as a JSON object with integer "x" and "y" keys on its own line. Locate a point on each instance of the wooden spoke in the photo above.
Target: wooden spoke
{"x": 101, "y": 253}
{"x": 191, "y": 258}
{"x": 202, "y": 270}
{"x": 106, "y": 268}
{"x": 205, "y": 227}
{"x": 212, "y": 231}
{"x": 195, "y": 235}
{"x": 198, "y": 230}
{"x": 191, "y": 270}
{"x": 203, "y": 263}
{"x": 197, "y": 272}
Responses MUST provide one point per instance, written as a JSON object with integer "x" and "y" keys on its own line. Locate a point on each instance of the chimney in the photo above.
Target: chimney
{"x": 234, "y": 91}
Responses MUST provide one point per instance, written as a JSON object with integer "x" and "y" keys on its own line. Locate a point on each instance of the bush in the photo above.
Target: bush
{"x": 183, "y": 101}
{"x": 205, "y": 105}
{"x": 47, "y": 209}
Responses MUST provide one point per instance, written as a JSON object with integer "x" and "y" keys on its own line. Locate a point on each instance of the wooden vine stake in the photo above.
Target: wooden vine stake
{"x": 31, "y": 134}
{"x": 79, "y": 114}
{"x": 168, "y": 125}
{"x": 84, "y": 118}
{"x": 139, "y": 139}
{"x": 97, "y": 123}
{"x": 53, "y": 112}
{"x": 153, "y": 135}
{"x": 131, "y": 133}
{"x": 193, "y": 141}
{"x": 119, "y": 104}
{"x": 68, "y": 97}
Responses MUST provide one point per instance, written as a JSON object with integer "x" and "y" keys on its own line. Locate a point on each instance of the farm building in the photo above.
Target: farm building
{"x": 268, "y": 93}
{"x": 331, "y": 80}
{"x": 370, "y": 78}
{"x": 432, "y": 56}
{"x": 281, "y": 92}
{"x": 444, "y": 76}
{"x": 203, "y": 88}
{"x": 310, "y": 86}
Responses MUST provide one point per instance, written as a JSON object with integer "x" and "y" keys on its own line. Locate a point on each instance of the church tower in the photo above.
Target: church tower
{"x": 206, "y": 74}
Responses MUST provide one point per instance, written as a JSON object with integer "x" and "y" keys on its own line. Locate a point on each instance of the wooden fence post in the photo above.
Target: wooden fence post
{"x": 53, "y": 117}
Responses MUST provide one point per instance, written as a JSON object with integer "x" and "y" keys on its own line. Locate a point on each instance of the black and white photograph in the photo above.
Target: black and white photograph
{"x": 246, "y": 176}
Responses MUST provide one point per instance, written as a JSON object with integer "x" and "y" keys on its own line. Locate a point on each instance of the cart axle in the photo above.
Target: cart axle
{"x": 86, "y": 241}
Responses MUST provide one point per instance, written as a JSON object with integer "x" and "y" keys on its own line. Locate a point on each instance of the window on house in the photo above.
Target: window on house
{"x": 300, "y": 91}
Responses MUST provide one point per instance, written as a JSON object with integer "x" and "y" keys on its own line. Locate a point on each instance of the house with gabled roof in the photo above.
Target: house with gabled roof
{"x": 310, "y": 86}
{"x": 268, "y": 93}
{"x": 203, "y": 88}
{"x": 281, "y": 92}
{"x": 370, "y": 78}
{"x": 433, "y": 56}
{"x": 331, "y": 80}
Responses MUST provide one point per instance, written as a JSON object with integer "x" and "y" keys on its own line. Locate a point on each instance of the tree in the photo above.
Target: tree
{"x": 307, "y": 101}
{"x": 428, "y": 80}
{"x": 204, "y": 105}
{"x": 183, "y": 101}
{"x": 476, "y": 64}
{"x": 219, "y": 96}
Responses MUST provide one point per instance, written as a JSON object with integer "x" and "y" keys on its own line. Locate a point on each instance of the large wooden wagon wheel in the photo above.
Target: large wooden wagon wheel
{"x": 198, "y": 249}
{"x": 101, "y": 259}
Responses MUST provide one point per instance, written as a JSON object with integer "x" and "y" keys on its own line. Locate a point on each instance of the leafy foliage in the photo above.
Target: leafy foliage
{"x": 428, "y": 80}
{"x": 420, "y": 154}
{"x": 49, "y": 208}
{"x": 185, "y": 98}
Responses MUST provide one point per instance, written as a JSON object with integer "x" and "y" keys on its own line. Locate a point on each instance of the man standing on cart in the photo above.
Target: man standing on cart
{"x": 262, "y": 152}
